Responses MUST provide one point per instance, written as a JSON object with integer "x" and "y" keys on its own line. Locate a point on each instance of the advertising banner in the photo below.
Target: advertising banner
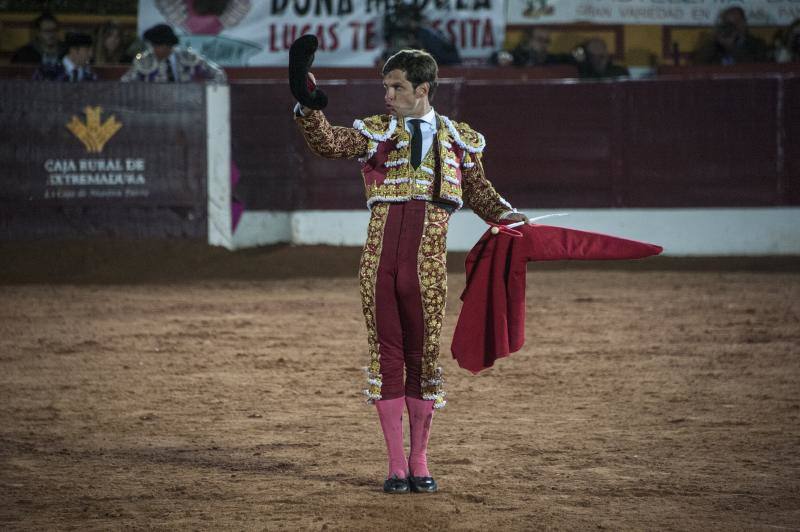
{"x": 658, "y": 12}
{"x": 102, "y": 158}
{"x": 350, "y": 32}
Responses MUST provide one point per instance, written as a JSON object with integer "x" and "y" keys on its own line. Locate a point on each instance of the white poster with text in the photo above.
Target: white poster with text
{"x": 260, "y": 32}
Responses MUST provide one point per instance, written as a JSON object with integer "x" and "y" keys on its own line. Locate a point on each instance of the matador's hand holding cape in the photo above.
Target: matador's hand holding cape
{"x": 492, "y": 320}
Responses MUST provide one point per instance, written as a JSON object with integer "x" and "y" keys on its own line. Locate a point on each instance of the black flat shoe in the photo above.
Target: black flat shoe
{"x": 395, "y": 485}
{"x": 422, "y": 484}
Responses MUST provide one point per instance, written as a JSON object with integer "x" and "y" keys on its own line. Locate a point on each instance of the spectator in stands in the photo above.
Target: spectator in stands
{"x": 731, "y": 42}
{"x": 110, "y": 48}
{"x": 501, "y": 57}
{"x": 44, "y": 49}
{"x": 788, "y": 48}
{"x": 533, "y": 50}
{"x": 594, "y": 61}
{"x": 74, "y": 66}
{"x": 404, "y": 27}
{"x": 437, "y": 44}
{"x": 166, "y": 62}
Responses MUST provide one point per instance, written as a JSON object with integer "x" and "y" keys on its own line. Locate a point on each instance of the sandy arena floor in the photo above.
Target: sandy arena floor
{"x": 642, "y": 400}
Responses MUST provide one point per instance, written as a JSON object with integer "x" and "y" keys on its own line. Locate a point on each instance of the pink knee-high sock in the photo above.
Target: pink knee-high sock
{"x": 390, "y": 412}
{"x": 420, "y": 416}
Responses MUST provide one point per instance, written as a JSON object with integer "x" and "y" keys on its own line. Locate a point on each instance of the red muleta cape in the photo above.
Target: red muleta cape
{"x": 491, "y": 324}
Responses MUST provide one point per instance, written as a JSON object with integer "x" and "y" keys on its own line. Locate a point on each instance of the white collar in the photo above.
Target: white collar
{"x": 170, "y": 59}
{"x": 69, "y": 66}
{"x": 429, "y": 118}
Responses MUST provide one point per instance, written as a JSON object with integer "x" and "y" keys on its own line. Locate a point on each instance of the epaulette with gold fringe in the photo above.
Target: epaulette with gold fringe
{"x": 466, "y": 137}
{"x": 377, "y": 127}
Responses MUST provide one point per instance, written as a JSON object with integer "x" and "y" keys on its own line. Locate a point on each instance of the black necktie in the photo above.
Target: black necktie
{"x": 75, "y": 75}
{"x": 416, "y": 143}
{"x": 170, "y": 73}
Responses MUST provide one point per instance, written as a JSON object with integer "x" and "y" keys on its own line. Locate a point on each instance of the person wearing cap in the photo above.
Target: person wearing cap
{"x": 74, "y": 66}
{"x": 166, "y": 62}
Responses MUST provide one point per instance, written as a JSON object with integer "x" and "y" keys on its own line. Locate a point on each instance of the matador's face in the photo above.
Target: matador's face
{"x": 162, "y": 51}
{"x": 401, "y": 98}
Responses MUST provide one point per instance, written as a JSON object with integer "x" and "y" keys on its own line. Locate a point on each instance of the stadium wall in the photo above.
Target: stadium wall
{"x": 705, "y": 162}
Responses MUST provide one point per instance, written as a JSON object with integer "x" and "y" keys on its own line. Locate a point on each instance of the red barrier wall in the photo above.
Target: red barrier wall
{"x": 695, "y": 137}
{"x": 789, "y": 157}
{"x": 696, "y": 142}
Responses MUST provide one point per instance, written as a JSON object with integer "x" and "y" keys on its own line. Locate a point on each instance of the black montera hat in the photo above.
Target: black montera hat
{"x": 76, "y": 40}
{"x": 161, "y": 34}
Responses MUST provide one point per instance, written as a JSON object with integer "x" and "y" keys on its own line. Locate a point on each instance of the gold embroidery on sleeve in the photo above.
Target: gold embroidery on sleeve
{"x": 332, "y": 142}
{"x": 479, "y": 193}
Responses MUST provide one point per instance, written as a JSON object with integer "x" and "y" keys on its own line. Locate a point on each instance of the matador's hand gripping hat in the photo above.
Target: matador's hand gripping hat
{"x": 301, "y": 57}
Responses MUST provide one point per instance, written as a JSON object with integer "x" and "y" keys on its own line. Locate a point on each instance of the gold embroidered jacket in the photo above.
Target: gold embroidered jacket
{"x": 451, "y": 173}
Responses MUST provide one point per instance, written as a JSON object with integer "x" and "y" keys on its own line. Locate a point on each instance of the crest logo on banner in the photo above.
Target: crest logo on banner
{"x": 92, "y": 133}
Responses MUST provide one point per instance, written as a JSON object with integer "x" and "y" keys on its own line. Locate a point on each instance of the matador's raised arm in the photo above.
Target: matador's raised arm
{"x": 332, "y": 142}
{"x": 328, "y": 141}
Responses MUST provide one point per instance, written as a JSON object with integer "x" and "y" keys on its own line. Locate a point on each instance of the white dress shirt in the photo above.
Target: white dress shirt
{"x": 71, "y": 67}
{"x": 173, "y": 64}
{"x": 428, "y": 128}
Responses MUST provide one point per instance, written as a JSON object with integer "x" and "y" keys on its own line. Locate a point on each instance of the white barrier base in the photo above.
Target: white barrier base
{"x": 262, "y": 228}
{"x": 682, "y": 232}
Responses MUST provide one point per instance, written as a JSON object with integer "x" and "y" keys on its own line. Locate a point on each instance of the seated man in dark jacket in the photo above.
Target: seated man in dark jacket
{"x": 44, "y": 49}
{"x": 533, "y": 50}
{"x": 404, "y": 27}
{"x": 74, "y": 66}
{"x": 731, "y": 43}
{"x": 594, "y": 61}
